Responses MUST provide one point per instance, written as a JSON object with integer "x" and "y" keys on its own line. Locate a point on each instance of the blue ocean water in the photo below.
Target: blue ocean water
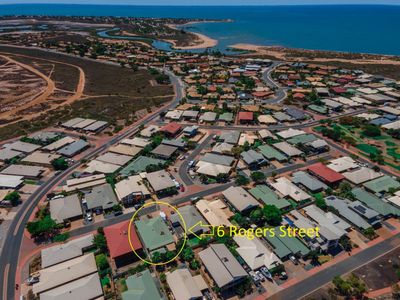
{"x": 354, "y": 28}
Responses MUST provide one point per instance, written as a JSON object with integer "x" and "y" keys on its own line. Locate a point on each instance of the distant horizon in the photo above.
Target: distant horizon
{"x": 194, "y": 3}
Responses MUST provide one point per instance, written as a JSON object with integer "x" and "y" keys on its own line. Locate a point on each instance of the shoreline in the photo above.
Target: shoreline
{"x": 283, "y": 53}
{"x": 204, "y": 40}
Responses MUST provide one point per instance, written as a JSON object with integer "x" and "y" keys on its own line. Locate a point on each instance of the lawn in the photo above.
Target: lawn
{"x": 393, "y": 152}
{"x": 367, "y": 148}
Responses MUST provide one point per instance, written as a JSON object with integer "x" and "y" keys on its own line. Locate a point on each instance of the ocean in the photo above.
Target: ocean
{"x": 352, "y": 28}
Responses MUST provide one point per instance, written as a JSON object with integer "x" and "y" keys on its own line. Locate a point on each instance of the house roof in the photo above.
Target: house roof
{"x": 141, "y": 286}
{"x": 129, "y": 186}
{"x": 221, "y": 264}
{"x": 114, "y": 158}
{"x": 255, "y": 253}
{"x": 10, "y": 181}
{"x": 191, "y": 215}
{"x": 325, "y": 173}
{"x": 117, "y": 239}
{"x": 361, "y": 175}
{"x": 160, "y": 180}
{"x": 87, "y": 287}
{"x": 164, "y": 150}
{"x": 270, "y": 153}
{"x": 154, "y": 233}
{"x": 382, "y": 184}
{"x": 370, "y": 200}
{"x": 23, "y": 170}
{"x": 240, "y": 198}
{"x": 101, "y": 196}
{"x": 140, "y": 164}
{"x": 65, "y": 272}
{"x": 217, "y": 159}
{"x": 96, "y": 166}
{"x": 287, "y": 188}
{"x": 245, "y": 116}
{"x": 252, "y": 157}
{"x": 213, "y": 212}
{"x": 288, "y": 149}
{"x": 65, "y": 208}
{"x": 311, "y": 183}
{"x": 342, "y": 164}
{"x": 66, "y": 251}
{"x": 73, "y": 148}
{"x": 183, "y": 285}
{"x": 268, "y": 196}
{"x": 171, "y": 128}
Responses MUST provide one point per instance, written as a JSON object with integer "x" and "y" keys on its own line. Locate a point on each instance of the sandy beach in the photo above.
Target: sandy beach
{"x": 202, "y": 41}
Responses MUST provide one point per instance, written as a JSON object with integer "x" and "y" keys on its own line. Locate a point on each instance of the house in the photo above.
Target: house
{"x": 41, "y": 158}
{"x": 131, "y": 190}
{"x": 119, "y": 246}
{"x": 160, "y": 181}
{"x": 190, "y": 115}
{"x": 10, "y": 182}
{"x": 271, "y": 154}
{"x": 154, "y": 233}
{"x": 184, "y": 286}
{"x": 383, "y": 208}
{"x": 171, "y": 129}
{"x": 8, "y": 154}
{"x": 179, "y": 143}
{"x": 125, "y": 150}
{"x": 174, "y": 115}
{"x": 149, "y": 131}
{"x": 226, "y": 117}
{"x": 66, "y": 209}
{"x": 59, "y": 144}
{"x": 230, "y": 137}
{"x": 253, "y": 159}
{"x": 287, "y": 149}
{"x": 190, "y": 131}
{"x": 245, "y": 117}
{"x": 30, "y": 172}
{"x": 310, "y": 183}
{"x": 137, "y": 142}
{"x": 240, "y": 199}
{"x": 66, "y": 251}
{"x": 382, "y": 184}
{"x": 214, "y": 212}
{"x": 283, "y": 247}
{"x": 287, "y": 189}
{"x": 222, "y": 266}
{"x": 269, "y": 197}
{"x": 342, "y": 164}
{"x": 212, "y": 169}
{"x": 141, "y": 286}
{"x": 208, "y": 116}
{"x": 114, "y": 158}
{"x": 83, "y": 183}
{"x": 218, "y": 159}
{"x": 22, "y": 147}
{"x": 96, "y": 166}
{"x": 140, "y": 164}
{"x": 96, "y": 126}
{"x": 289, "y": 133}
{"x": 101, "y": 198}
{"x": 64, "y": 273}
{"x": 191, "y": 216}
{"x": 361, "y": 175}
{"x": 222, "y": 148}
{"x": 325, "y": 174}
{"x": 164, "y": 151}
{"x": 74, "y": 148}
{"x": 255, "y": 253}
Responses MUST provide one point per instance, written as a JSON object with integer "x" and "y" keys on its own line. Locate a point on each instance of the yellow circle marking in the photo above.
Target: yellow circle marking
{"x": 131, "y": 224}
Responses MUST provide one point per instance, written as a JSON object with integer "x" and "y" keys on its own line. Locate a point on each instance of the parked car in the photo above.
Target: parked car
{"x": 294, "y": 260}
{"x": 32, "y": 280}
{"x": 283, "y": 276}
{"x": 260, "y": 275}
{"x": 266, "y": 273}
{"x": 254, "y": 276}
{"x": 89, "y": 217}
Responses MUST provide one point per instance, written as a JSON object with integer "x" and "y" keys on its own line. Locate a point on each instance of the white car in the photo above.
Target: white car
{"x": 89, "y": 217}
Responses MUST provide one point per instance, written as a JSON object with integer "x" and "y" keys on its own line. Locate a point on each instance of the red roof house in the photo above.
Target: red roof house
{"x": 299, "y": 96}
{"x": 326, "y": 174}
{"x": 339, "y": 90}
{"x": 245, "y": 117}
{"x": 118, "y": 243}
{"x": 171, "y": 129}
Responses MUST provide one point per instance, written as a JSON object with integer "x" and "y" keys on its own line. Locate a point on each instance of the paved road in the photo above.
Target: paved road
{"x": 183, "y": 169}
{"x": 280, "y": 92}
{"x": 10, "y": 254}
{"x": 312, "y": 283}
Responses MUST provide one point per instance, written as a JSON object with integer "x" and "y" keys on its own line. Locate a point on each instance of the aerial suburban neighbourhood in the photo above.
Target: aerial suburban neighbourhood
{"x": 137, "y": 162}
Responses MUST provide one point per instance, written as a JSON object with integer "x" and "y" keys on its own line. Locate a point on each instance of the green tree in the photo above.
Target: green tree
{"x": 272, "y": 214}
{"x": 13, "y": 197}
{"x": 258, "y": 177}
{"x": 163, "y": 277}
{"x": 42, "y": 227}
{"x": 187, "y": 254}
{"x": 60, "y": 164}
{"x": 100, "y": 242}
{"x": 371, "y": 130}
{"x": 241, "y": 180}
{"x": 256, "y": 216}
{"x": 101, "y": 261}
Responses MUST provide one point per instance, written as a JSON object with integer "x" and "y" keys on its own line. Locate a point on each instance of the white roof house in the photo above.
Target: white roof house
{"x": 213, "y": 212}
{"x": 59, "y": 143}
{"x": 211, "y": 169}
{"x": 361, "y": 175}
{"x": 184, "y": 286}
{"x": 136, "y": 141}
{"x": 394, "y": 125}
{"x": 285, "y": 187}
{"x": 160, "y": 180}
{"x": 10, "y": 181}
{"x": 222, "y": 265}
{"x": 342, "y": 164}
{"x": 22, "y": 146}
{"x": 87, "y": 287}
{"x": 101, "y": 167}
{"x": 65, "y": 272}
{"x": 84, "y": 182}
{"x": 133, "y": 185}
{"x": 288, "y": 149}
{"x": 289, "y": 133}
{"x": 41, "y": 158}
{"x": 255, "y": 253}
{"x": 114, "y": 158}
{"x": 66, "y": 251}
{"x": 240, "y": 198}
{"x": 65, "y": 208}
